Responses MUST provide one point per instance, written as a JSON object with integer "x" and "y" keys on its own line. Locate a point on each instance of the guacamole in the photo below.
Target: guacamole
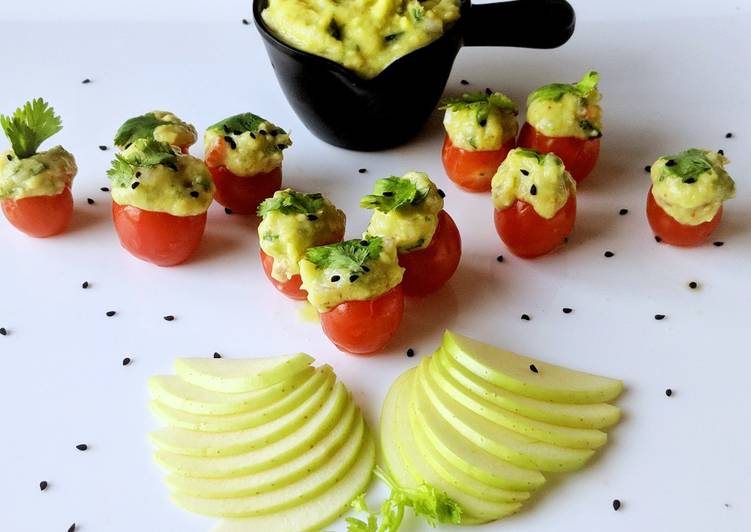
{"x": 480, "y": 121}
{"x": 245, "y": 144}
{"x": 405, "y": 210}
{"x": 567, "y": 110}
{"x": 154, "y": 176}
{"x": 538, "y": 179}
{"x": 354, "y": 270}
{"x": 291, "y": 223}
{"x": 159, "y": 125}
{"x": 363, "y": 35}
{"x": 45, "y": 173}
{"x": 691, "y": 186}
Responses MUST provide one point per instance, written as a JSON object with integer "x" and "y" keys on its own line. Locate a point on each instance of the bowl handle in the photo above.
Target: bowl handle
{"x": 522, "y": 23}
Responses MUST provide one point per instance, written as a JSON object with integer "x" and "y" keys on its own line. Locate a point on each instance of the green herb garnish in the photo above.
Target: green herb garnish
{"x": 688, "y": 164}
{"x": 427, "y": 502}
{"x": 393, "y": 192}
{"x": 349, "y": 255}
{"x": 481, "y": 102}
{"x": 144, "y": 152}
{"x": 532, "y": 154}
{"x": 555, "y": 91}
{"x": 29, "y": 126}
{"x": 242, "y": 123}
{"x": 138, "y": 127}
{"x": 291, "y": 202}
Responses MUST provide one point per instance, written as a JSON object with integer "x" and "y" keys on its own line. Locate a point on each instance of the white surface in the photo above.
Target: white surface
{"x": 670, "y": 80}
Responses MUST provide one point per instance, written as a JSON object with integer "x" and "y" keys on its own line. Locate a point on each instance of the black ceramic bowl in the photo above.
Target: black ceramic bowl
{"x": 346, "y": 110}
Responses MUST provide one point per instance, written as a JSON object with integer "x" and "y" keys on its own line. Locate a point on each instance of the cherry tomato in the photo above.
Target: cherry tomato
{"x": 364, "y": 327}
{"x": 40, "y": 216}
{"x": 430, "y": 268}
{"x": 527, "y": 234}
{"x": 672, "y": 231}
{"x": 579, "y": 156}
{"x": 289, "y": 288}
{"x": 473, "y": 170}
{"x": 158, "y": 237}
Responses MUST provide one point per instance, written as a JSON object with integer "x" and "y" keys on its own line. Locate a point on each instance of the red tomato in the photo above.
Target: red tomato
{"x": 40, "y": 216}
{"x": 364, "y": 327}
{"x": 185, "y": 149}
{"x": 289, "y": 288}
{"x": 473, "y": 170}
{"x": 527, "y": 234}
{"x": 429, "y": 269}
{"x": 579, "y": 156}
{"x": 158, "y": 237}
{"x": 672, "y": 231}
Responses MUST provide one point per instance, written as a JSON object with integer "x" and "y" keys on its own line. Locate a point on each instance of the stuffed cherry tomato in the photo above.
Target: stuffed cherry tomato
{"x": 480, "y": 130}
{"x": 162, "y": 126}
{"x": 244, "y": 155}
{"x": 566, "y": 119}
{"x": 356, "y": 287}
{"x": 159, "y": 201}
{"x": 535, "y": 202}
{"x": 409, "y": 211}
{"x": 291, "y": 223}
{"x": 35, "y": 186}
{"x": 684, "y": 203}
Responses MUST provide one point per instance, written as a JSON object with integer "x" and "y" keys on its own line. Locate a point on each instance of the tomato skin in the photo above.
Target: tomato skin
{"x": 674, "y": 232}
{"x": 40, "y": 216}
{"x": 579, "y": 156}
{"x": 243, "y": 195}
{"x": 473, "y": 170}
{"x": 364, "y": 327}
{"x": 185, "y": 150}
{"x": 527, "y": 234}
{"x": 291, "y": 288}
{"x": 158, "y": 237}
{"x": 430, "y": 268}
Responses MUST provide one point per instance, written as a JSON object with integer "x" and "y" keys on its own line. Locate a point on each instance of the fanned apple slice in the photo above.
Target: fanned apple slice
{"x": 391, "y": 456}
{"x": 242, "y": 420}
{"x": 316, "y": 513}
{"x": 538, "y": 430}
{"x": 584, "y": 416}
{"x": 173, "y": 391}
{"x": 196, "y": 443}
{"x": 512, "y": 372}
{"x": 240, "y": 375}
{"x": 273, "y": 455}
{"x": 505, "y": 444}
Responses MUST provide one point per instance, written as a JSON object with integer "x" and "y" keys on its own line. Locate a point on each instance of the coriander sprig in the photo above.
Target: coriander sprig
{"x": 555, "y": 91}
{"x": 29, "y": 126}
{"x": 138, "y": 127}
{"x": 351, "y": 255}
{"x": 291, "y": 202}
{"x": 393, "y": 192}
{"x": 481, "y": 103}
{"x": 144, "y": 152}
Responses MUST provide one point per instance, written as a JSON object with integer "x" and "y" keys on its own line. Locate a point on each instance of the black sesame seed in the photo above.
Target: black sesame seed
{"x": 488, "y": 91}
{"x": 10, "y": 157}
{"x": 110, "y": 313}
{"x": 103, "y": 147}
{"x": 229, "y": 140}
{"x": 227, "y": 210}
{"x": 533, "y": 368}
{"x": 335, "y": 278}
{"x": 362, "y": 170}
{"x": 217, "y": 355}
{"x": 262, "y": 132}
{"x": 441, "y": 193}
{"x": 363, "y": 242}
{"x": 225, "y": 128}
{"x": 609, "y": 254}
{"x": 388, "y": 194}
{"x": 670, "y": 162}
{"x": 659, "y": 317}
{"x": 668, "y": 392}
{"x": 135, "y": 185}
{"x": 3, "y": 331}
{"x": 526, "y": 317}
{"x": 312, "y": 217}
{"x": 169, "y": 317}
{"x": 194, "y": 193}
{"x": 690, "y": 180}
{"x": 353, "y": 278}
{"x": 647, "y": 168}
{"x": 90, "y": 201}
{"x": 567, "y": 310}
{"x": 728, "y": 135}
{"x": 138, "y": 174}
{"x": 82, "y": 447}
{"x": 72, "y": 528}
{"x": 721, "y": 152}
{"x": 718, "y": 243}
{"x": 499, "y": 258}
{"x": 43, "y": 485}
{"x": 464, "y": 82}
{"x": 126, "y": 361}
{"x": 524, "y": 172}
{"x": 85, "y": 285}
{"x": 410, "y": 352}
{"x": 616, "y": 505}
{"x": 86, "y": 81}
{"x": 281, "y": 146}
{"x": 533, "y": 190}
{"x": 105, "y": 189}
{"x": 658, "y": 239}
{"x": 252, "y": 135}
{"x": 365, "y": 269}
{"x": 245, "y": 21}
{"x": 273, "y": 132}
{"x": 623, "y": 212}
{"x": 693, "y": 285}
{"x": 483, "y": 123}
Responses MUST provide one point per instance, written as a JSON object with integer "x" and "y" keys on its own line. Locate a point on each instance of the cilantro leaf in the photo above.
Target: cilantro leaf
{"x": 349, "y": 255}
{"x": 532, "y": 154}
{"x": 555, "y": 91}
{"x": 242, "y": 123}
{"x": 481, "y": 102}
{"x": 29, "y": 126}
{"x": 687, "y": 164}
{"x": 393, "y": 192}
{"x": 143, "y": 152}
{"x": 138, "y": 127}
{"x": 291, "y": 202}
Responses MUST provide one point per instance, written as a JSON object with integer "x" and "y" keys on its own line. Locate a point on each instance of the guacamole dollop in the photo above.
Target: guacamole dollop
{"x": 690, "y": 186}
{"x": 45, "y": 173}
{"x": 480, "y": 121}
{"x": 538, "y": 179}
{"x": 363, "y": 35}
{"x": 162, "y": 126}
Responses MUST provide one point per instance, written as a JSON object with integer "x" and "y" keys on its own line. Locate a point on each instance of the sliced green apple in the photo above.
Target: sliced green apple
{"x": 317, "y": 512}
{"x": 242, "y": 420}
{"x": 512, "y": 372}
{"x": 391, "y": 456}
{"x": 196, "y": 443}
{"x": 585, "y": 416}
{"x": 538, "y": 430}
{"x": 508, "y": 445}
{"x": 273, "y": 455}
{"x": 240, "y": 375}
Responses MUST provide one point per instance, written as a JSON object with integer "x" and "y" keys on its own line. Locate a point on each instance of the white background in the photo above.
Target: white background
{"x": 674, "y": 75}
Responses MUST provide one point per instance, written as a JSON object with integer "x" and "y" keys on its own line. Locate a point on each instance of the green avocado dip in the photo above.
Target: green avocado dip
{"x": 480, "y": 121}
{"x": 363, "y": 35}
{"x": 154, "y": 176}
{"x": 567, "y": 110}
{"x": 405, "y": 210}
{"x": 245, "y": 144}
{"x": 353, "y": 270}
{"x": 291, "y": 223}
{"x": 538, "y": 179}
{"x": 690, "y": 186}
{"x": 159, "y": 125}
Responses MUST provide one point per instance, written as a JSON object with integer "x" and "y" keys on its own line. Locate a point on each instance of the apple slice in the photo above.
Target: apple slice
{"x": 196, "y": 443}
{"x": 240, "y": 375}
{"x": 539, "y": 430}
{"x": 392, "y": 458}
{"x": 173, "y": 391}
{"x": 242, "y": 420}
{"x": 313, "y": 483}
{"x": 316, "y": 513}
{"x": 505, "y": 444}
{"x": 512, "y": 372}
{"x": 351, "y": 424}
{"x": 583, "y": 416}
{"x": 273, "y": 455}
